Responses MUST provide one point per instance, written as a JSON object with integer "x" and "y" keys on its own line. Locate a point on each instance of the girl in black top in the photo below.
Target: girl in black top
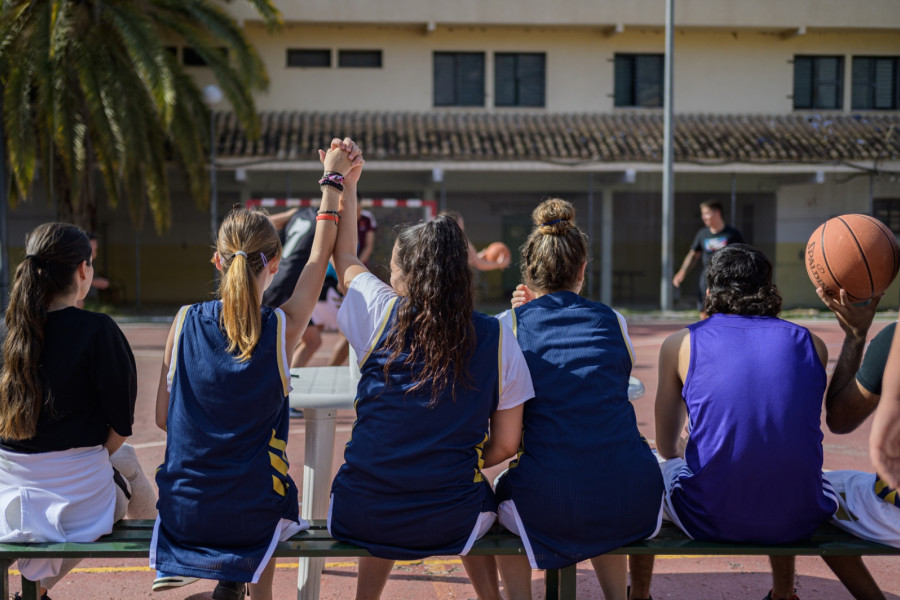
{"x": 68, "y": 386}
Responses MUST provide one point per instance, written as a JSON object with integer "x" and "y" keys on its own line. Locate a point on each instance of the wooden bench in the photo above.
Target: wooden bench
{"x": 131, "y": 539}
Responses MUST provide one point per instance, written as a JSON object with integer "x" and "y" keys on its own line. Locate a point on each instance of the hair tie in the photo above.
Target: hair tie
{"x": 551, "y": 222}
{"x": 241, "y": 253}
{"x": 35, "y": 259}
{"x": 264, "y": 260}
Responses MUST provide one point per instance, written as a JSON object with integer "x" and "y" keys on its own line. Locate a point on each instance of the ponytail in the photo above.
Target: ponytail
{"x": 53, "y": 253}
{"x": 247, "y": 242}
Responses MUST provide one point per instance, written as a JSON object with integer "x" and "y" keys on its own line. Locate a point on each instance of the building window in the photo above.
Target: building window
{"x": 639, "y": 80}
{"x": 365, "y": 59}
{"x": 818, "y": 82}
{"x": 309, "y": 57}
{"x": 192, "y": 58}
{"x": 519, "y": 79}
{"x": 888, "y": 212}
{"x": 875, "y": 83}
{"x": 459, "y": 78}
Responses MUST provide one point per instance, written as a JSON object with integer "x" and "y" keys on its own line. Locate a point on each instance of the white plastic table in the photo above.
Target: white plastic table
{"x": 319, "y": 392}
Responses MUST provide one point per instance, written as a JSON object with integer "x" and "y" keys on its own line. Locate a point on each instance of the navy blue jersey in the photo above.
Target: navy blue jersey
{"x": 224, "y": 485}
{"x": 411, "y": 485}
{"x": 585, "y": 481}
{"x": 754, "y": 457}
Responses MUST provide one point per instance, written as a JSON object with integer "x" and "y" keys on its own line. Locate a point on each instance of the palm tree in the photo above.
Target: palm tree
{"x": 92, "y": 85}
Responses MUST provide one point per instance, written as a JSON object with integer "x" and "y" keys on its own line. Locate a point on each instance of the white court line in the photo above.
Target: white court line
{"x": 647, "y": 342}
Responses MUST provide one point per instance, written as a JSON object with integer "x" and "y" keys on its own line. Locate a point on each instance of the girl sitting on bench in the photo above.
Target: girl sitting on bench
{"x": 585, "y": 481}
{"x": 226, "y": 498}
{"x": 67, "y": 391}
{"x": 437, "y": 378}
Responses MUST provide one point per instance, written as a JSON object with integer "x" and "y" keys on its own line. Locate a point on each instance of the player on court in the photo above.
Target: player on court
{"x": 584, "y": 482}
{"x": 225, "y": 494}
{"x": 748, "y": 411}
{"x": 436, "y": 379}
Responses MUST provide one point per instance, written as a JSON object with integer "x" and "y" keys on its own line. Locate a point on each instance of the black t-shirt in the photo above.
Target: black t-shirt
{"x": 296, "y": 241}
{"x": 872, "y": 369}
{"x": 708, "y": 242}
{"x": 88, "y": 366}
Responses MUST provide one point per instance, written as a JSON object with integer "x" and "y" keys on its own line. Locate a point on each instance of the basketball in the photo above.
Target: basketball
{"x": 496, "y": 252}
{"x": 855, "y": 252}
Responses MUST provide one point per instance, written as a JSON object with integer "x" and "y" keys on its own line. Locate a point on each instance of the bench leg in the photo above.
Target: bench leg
{"x": 551, "y": 584}
{"x": 31, "y": 590}
{"x": 4, "y": 577}
{"x": 567, "y": 579}
{"x": 316, "y": 487}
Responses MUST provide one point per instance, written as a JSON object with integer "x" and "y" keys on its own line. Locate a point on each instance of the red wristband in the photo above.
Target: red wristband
{"x": 334, "y": 218}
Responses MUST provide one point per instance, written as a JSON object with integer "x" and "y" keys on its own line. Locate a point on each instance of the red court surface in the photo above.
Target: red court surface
{"x": 443, "y": 577}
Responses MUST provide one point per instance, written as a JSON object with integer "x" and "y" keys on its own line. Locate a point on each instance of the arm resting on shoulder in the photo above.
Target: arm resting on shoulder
{"x": 506, "y": 435}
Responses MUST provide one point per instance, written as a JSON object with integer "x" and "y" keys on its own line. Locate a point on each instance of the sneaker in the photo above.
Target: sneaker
{"x": 295, "y": 413}
{"x": 769, "y": 596}
{"x": 165, "y": 581}
{"x": 229, "y": 590}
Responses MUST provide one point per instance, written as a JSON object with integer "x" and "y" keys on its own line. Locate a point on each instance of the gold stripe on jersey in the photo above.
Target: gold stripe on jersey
{"x": 278, "y": 463}
{"x": 500, "y": 362}
{"x": 387, "y": 315}
{"x": 886, "y": 493}
{"x": 179, "y": 324}
{"x": 277, "y": 444}
{"x": 479, "y": 449}
{"x": 278, "y": 486}
{"x": 515, "y": 322}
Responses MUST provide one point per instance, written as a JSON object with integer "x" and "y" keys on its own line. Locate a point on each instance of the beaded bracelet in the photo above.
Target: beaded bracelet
{"x": 333, "y": 179}
{"x": 327, "y": 183}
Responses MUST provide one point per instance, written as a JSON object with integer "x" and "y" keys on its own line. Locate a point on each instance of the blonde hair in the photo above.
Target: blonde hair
{"x": 246, "y": 243}
{"x": 554, "y": 252}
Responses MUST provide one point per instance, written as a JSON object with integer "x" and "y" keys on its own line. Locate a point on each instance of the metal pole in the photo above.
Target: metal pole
{"x": 734, "y": 199}
{"x": 606, "y": 251}
{"x": 590, "y": 271}
{"x": 871, "y": 195}
{"x": 668, "y": 195}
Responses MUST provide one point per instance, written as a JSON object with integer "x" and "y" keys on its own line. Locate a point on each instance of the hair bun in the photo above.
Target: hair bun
{"x": 554, "y": 216}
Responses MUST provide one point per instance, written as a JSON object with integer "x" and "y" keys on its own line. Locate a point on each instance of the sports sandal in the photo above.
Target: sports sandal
{"x": 170, "y": 582}
{"x": 229, "y": 590}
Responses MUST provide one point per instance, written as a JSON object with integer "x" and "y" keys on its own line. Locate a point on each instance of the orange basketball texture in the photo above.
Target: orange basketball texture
{"x": 496, "y": 252}
{"x": 855, "y": 252}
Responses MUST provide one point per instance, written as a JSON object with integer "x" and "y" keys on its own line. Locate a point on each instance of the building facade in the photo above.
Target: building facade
{"x": 788, "y": 113}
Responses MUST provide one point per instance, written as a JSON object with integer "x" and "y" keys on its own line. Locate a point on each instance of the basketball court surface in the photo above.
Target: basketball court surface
{"x": 676, "y": 578}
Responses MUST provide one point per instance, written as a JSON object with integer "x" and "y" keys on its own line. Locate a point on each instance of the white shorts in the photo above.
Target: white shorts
{"x": 861, "y": 512}
{"x": 672, "y": 470}
{"x": 325, "y": 312}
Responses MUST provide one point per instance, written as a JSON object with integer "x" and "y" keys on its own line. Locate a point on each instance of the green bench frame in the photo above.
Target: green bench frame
{"x": 131, "y": 539}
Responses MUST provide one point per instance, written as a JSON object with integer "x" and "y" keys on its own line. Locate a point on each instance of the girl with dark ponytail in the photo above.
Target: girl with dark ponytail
{"x": 225, "y": 494}
{"x": 441, "y": 391}
{"x": 68, "y": 386}
{"x": 597, "y": 487}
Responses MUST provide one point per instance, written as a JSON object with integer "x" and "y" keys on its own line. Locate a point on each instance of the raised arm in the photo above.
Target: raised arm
{"x": 279, "y": 220}
{"x": 300, "y": 305}
{"x": 674, "y": 358}
{"x": 847, "y": 402}
{"x": 346, "y": 262}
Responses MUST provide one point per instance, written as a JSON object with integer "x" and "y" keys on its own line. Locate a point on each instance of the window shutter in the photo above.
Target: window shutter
{"x": 531, "y": 71}
{"x": 828, "y": 72}
{"x": 471, "y": 79}
{"x": 861, "y": 92}
{"x": 648, "y": 80}
{"x": 885, "y": 77}
{"x": 444, "y": 79}
{"x": 624, "y": 80}
{"x": 505, "y": 79}
{"x": 803, "y": 82}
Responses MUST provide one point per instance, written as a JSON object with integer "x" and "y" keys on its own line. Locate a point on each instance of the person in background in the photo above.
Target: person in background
{"x": 477, "y": 259}
{"x": 713, "y": 236}
{"x": 97, "y": 283}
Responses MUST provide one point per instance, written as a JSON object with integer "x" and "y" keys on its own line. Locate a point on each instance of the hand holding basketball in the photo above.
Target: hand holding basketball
{"x": 498, "y": 253}
{"x": 856, "y": 253}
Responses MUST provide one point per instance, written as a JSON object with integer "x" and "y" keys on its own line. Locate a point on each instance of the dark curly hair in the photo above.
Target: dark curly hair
{"x": 739, "y": 280}
{"x": 434, "y": 321}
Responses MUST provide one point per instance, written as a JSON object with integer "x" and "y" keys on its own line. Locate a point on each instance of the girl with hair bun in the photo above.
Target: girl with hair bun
{"x": 584, "y": 482}
{"x": 440, "y": 396}
{"x": 225, "y": 494}
{"x": 68, "y": 386}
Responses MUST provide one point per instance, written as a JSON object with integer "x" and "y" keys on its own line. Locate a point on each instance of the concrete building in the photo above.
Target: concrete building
{"x": 786, "y": 112}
